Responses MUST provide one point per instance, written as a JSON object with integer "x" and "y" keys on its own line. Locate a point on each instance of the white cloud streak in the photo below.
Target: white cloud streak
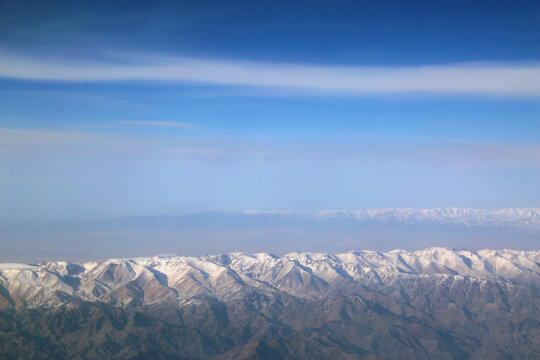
{"x": 15, "y": 144}
{"x": 175, "y": 124}
{"x": 506, "y": 79}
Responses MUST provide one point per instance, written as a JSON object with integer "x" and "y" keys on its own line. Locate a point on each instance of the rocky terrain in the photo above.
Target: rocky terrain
{"x": 436, "y": 303}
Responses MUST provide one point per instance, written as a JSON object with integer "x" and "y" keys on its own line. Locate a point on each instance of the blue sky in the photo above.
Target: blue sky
{"x": 138, "y": 108}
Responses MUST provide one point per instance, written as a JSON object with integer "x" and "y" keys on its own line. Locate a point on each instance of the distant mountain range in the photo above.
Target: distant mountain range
{"x": 437, "y": 303}
{"x": 520, "y": 218}
{"x": 278, "y": 232}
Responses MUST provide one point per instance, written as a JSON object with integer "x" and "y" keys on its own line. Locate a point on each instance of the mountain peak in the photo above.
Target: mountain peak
{"x": 304, "y": 274}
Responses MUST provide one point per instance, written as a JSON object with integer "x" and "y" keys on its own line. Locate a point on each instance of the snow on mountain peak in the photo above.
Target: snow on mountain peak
{"x": 521, "y": 217}
{"x": 303, "y": 274}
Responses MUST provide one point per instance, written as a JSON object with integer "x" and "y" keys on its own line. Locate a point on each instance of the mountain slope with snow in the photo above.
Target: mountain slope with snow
{"x": 434, "y": 303}
{"x": 306, "y": 275}
{"x": 510, "y": 217}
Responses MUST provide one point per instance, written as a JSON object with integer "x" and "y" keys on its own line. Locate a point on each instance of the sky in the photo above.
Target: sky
{"x": 127, "y": 108}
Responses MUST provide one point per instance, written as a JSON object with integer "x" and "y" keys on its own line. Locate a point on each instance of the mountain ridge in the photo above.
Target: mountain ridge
{"x": 301, "y": 274}
{"x": 280, "y": 232}
{"x": 437, "y": 302}
{"x": 472, "y": 216}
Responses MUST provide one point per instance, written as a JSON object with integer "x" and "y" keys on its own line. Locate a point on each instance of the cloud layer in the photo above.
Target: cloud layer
{"x": 506, "y": 79}
{"x": 15, "y": 143}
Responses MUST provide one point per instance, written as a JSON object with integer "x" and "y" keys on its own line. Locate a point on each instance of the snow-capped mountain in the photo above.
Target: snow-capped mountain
{"x": 332, "y": 231}
{"x": 434, "y": 303}
{"x": 514, "y": 217}
{"x": 168, "y": 279}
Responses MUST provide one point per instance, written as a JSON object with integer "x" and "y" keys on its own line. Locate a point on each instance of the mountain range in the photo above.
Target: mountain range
{"x": 437, "y": 303}
{"x": 279, "y": 232}
{"x": 469, "y": 217}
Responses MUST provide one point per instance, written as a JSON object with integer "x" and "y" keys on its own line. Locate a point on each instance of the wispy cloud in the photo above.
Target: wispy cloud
{"x": 17, "y": 143}
{"x": 38, "y": 137}
{"x": 83, "y": 144}
{"x": 497, "y": 79}
{"x": 174, "y": 124}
